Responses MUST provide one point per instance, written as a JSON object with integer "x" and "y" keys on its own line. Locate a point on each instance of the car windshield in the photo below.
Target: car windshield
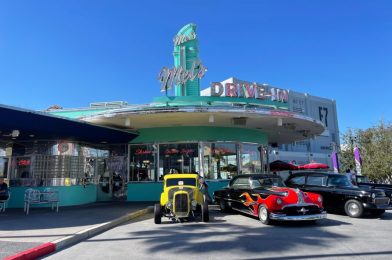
{"x": 181, "y": 182}
{"x": 339, "y": 181}
{"x": 361, "y": 179}
{"x": 267, "y": 182}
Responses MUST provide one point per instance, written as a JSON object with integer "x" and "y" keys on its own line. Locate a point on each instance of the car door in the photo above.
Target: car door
{"x": 238, "y": 188}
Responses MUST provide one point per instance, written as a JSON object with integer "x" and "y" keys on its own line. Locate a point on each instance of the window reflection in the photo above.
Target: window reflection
{"x": 219, "y": 160}
{"x": 142, "y": 163}
{"x": 250, "y": 158}
{"x": 178, "y": 158}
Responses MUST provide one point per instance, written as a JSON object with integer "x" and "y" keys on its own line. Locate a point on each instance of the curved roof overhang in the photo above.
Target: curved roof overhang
{"x": 280, "y": 126}
{"x": 29, "y": 125}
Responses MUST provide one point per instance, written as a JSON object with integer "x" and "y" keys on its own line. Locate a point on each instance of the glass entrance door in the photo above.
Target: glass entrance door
{"x": 112, "y": 183}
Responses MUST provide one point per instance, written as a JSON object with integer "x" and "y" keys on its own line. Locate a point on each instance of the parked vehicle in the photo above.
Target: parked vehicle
{"x": 363, "y": 181}
{"x": 182, "y": 198}
{"x": 265, "y": 196}
{"x": 340, "y": 194}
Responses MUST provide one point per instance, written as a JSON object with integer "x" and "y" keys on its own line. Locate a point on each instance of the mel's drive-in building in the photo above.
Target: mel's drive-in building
{"x": 118, "y": 151}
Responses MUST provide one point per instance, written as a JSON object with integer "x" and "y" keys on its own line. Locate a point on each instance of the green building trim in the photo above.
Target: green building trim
{"x": 200, "y": 133}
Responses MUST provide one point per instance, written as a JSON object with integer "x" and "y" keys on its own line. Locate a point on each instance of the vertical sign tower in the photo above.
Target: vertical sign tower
{"x": 186, "y": 55}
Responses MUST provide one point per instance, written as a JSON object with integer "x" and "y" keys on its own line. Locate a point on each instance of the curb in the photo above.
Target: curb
{"x": 67, "y": 241}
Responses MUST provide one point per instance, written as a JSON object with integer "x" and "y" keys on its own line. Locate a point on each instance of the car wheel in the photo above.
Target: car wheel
{"x": 264, "y": 215}
{"x": 353, "y": 208}
{"x": 157, "y": 214}
{"x": 377, "y": 212}
{"x": 205, "y": 216}
{"x": 223, "y": 206}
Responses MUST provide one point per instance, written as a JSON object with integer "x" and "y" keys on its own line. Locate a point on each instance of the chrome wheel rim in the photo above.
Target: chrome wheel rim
{"x": 263, "y": 214}
{"x": 353, "y": 209}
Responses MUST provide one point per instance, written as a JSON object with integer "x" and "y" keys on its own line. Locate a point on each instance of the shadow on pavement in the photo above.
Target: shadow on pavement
{"x": 216, "y": 236}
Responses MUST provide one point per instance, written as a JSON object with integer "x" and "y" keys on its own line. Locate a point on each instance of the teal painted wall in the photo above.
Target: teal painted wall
{"x": 73, "y": 114}
{"x": 209, "y": 101}
{"x": 69, "y": 195}
{"x": 214, "y": 185}
{"x": 144, "y": 191}
{"x": 199, "y": 133}
{"x": 151, "y": 191}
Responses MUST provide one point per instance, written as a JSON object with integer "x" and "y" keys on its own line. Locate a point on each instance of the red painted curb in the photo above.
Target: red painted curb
{"x": 33, "y": 253}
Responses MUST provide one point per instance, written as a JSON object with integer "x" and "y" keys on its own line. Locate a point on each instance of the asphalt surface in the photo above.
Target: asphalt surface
{"x": 19, "y": 232}
{"x": 236, "y": 236}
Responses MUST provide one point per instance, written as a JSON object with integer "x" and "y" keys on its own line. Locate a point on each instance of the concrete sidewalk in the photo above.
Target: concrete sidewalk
{"x": 19, "y": 232}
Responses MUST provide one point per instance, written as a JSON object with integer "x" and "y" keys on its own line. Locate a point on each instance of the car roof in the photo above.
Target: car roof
{"x": 299, "y": 173}
{"x": 180, "y": 175}
{"x": 256, "y": 176}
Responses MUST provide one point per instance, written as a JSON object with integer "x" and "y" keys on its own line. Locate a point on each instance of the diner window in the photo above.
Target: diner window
{"x": 250, "y": 158}
{"x": 142, "y": 163}
{"x": 219, "y": 160}
{"x": 178, "y": 158}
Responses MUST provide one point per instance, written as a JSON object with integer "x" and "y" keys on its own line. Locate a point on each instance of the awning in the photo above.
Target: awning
{"x": 18, "y": 124}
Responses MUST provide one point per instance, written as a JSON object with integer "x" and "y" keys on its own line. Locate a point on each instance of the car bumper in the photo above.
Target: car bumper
{"x": 373, "y": 206}
{"x": 284, "y": 217}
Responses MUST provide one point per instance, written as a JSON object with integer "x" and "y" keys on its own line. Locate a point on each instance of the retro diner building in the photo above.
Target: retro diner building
{"x": 232, "y": 127}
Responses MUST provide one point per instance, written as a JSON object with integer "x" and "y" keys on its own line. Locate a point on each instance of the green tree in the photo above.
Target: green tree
{"x": 347, "y": 150}
{"x": 376, "y": 151}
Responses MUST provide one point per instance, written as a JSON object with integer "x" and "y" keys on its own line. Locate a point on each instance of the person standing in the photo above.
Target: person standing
{"x": 350, "y": 176}
{"x": 3, "y": 190}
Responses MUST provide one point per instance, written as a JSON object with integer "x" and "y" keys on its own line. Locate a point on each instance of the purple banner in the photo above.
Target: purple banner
{"x": 335, "y": 162}
{"x": 358, "y": 160}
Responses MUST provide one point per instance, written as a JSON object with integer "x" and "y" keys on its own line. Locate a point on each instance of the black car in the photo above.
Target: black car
{"x": 340, "y": 194}
{"x": 363, "y": 181}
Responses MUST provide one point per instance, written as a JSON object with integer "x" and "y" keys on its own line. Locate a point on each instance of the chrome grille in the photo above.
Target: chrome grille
{"x": 381, "y": 201}
{"x": 301, "y": 210}
{"x": 181, "y": 204}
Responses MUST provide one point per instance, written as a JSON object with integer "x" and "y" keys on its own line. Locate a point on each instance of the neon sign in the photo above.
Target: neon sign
{"x": 142, "y": 152}
{"x": 180, "y": 39}
{"x": 247, "y": 90}
{"x": 179, "y": 76}
{"x": 24, "y": 162}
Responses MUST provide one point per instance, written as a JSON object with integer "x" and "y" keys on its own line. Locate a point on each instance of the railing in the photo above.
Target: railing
{"x": 47, "y": 196}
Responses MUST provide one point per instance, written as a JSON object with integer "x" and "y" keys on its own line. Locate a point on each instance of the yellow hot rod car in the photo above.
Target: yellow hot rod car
{"x": 182, "y": 198}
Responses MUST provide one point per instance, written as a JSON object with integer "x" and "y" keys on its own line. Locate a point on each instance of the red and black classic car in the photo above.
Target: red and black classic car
{"x": 265, "y": 196}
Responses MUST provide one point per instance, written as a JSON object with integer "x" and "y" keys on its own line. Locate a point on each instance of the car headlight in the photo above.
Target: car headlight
{"x": 373, "y": 195}
{"x": 168, "y": 204}
{"x": 194, "y": 203}
{"x": 320, "y": 199}
{"x": 279, "y": 201}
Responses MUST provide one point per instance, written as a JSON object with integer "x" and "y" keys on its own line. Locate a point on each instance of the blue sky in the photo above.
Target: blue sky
{"x": 72, "y": 53}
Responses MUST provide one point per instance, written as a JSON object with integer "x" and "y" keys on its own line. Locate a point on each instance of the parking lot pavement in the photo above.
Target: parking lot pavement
{"x": 19, "y": 232}
{"x": 235, "y": 236}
